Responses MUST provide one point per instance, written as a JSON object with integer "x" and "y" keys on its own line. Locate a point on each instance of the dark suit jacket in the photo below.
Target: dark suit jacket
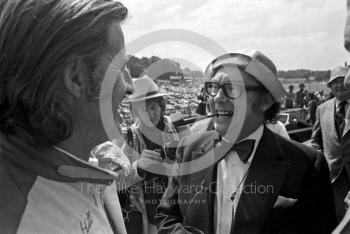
{"x": 292, "y": 169}
{"x": 325, "y": 138}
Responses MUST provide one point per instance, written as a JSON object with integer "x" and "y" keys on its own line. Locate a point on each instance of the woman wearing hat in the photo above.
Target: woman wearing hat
{"x": 144, "y": 145}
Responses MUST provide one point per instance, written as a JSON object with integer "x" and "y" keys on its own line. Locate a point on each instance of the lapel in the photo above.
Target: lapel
{"x": 347, "y": 120}
{"x": 261, "y": 188}
{"x": 208, "y": 175}
{"x": 204, "y": 213}
{"x": 327, "y": 119}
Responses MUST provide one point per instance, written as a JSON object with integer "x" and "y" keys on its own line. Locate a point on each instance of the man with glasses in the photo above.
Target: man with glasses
{"x": 262, "y": 182}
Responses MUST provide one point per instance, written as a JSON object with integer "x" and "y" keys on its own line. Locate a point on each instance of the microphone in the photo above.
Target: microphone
{"x": 178, "y": 120}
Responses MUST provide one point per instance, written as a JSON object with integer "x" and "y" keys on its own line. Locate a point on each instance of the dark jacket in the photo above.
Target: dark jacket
{"x": 292, "y": 169}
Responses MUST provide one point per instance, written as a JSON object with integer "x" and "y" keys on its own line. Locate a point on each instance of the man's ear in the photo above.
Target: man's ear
{"x": 74, "y": 75}
{"x": 266, "y": 102}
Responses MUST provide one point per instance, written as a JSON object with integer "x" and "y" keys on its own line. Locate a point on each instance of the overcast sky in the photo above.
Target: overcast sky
{"x": 293, "y": 33}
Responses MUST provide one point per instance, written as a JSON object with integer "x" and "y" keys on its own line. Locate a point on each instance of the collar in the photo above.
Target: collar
{"x": 256, "y": 135}
{"x": 51, "y": 163}
{"x": 337, "y": 102}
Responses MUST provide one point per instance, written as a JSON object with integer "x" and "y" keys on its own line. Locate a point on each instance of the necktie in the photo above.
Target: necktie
{"x": 243, "y": 148}
{"x": 340, "y": 118}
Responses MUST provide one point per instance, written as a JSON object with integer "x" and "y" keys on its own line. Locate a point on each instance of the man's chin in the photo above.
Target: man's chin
{"x": 342, "y": 96}
{"x": 221, "y": 128}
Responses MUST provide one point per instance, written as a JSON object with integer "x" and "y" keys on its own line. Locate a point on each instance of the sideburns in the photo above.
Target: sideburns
{"x": 94, "y": 81}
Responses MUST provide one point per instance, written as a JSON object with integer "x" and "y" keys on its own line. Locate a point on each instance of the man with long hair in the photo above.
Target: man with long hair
{"x": 53, "y": 57}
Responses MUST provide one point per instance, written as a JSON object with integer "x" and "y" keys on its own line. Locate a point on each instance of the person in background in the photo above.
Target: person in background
{"x": 300, "y": 96}
{"x": 311, "y": 106}
{"x": 202, "y": 106}
{"x": 206, "y": 124}
{"x": 320, "y": 98}
{"x": 344, "y": 225}
{"x": 222, "y": 199}
{"x": 290, "y": 97}
{"x": 275, "y": 125}
{"x": 54, "y": 57}
{"x": 331, "y": 135}
{"x": 145, "y": 149}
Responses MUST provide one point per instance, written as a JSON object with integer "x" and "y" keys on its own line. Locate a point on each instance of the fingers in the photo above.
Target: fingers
{"x": 111, "y": 157}
{"x": 147, "y": 163}
{"x": 150, "y": 154}
{"x": 116, "y": 163}
{"x": 149, "y": 159}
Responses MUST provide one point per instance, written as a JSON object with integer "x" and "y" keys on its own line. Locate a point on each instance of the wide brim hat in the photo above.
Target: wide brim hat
{"x": 254, "y": 63}
{"x": 144, "y": 88}
{"x": 338, "y": 72}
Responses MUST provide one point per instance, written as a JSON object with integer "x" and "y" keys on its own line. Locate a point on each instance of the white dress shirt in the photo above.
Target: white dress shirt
{"x": 231, "y": 174}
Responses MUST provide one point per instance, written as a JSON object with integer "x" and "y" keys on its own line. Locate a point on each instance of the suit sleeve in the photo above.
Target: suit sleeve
{"x": 316, "y": 137}
{"x": 169, "y": 218}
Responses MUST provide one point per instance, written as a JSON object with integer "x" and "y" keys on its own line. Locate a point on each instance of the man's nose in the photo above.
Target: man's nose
{"x": 220, "y": 96}
{"x": 152, "y": 115}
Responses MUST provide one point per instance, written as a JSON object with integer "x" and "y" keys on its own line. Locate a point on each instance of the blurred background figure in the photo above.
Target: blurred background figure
{"x": 344, "y": 225}
{"x": 311, "y": 106}
{"x": 290, "y": 97}
{"x": 300, "y": 96}
{"x": 320, "y": 97}
{"x": 202, "y": 106}
{"x": 145, "y": 147}
{"x": 274, "y": 124}
{"x": 331, "y": 136}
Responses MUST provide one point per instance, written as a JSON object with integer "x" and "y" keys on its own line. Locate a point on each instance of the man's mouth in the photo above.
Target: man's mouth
{"x": 223, "y": 114}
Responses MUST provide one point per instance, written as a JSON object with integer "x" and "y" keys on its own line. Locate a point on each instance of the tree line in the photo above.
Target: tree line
{"x": 156, "y": 66}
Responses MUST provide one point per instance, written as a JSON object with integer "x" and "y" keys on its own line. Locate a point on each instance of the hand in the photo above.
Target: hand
{"x": 111, "y": 157}
{"x": 149, "y": 159}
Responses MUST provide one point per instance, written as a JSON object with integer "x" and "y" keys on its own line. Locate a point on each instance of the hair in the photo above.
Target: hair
{"x": 38, "y": 38}
{"x": 311, "y": 95}
{"x": 270, "y": 115}
{"x": 159, "y": 100}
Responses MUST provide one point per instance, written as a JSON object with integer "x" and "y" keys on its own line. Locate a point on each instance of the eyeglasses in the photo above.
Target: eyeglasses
{"x": 231, "y": 90}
